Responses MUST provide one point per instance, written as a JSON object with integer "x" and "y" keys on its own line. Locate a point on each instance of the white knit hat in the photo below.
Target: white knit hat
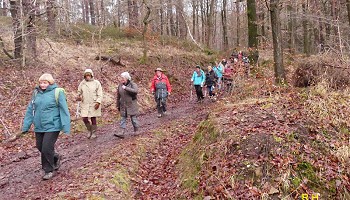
{"x": 47, "y": 77}
{"x": 126, "y": 75}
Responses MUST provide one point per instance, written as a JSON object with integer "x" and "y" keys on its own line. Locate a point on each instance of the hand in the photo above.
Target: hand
{"x": 78, "y": 98}
{"x": 168, "y": 93}
{"x": 124, "y": 87}
{"x": 24, "y": 132}
{"x": 97, "y": 105}
{"x": 152, "y": 92}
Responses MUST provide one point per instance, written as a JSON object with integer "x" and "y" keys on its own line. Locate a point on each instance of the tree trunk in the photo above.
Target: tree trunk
{"x": 280, "y": 76}
{"x": 238, "y": 22}
{"x": 102, "y": 13}
{"x": 348, "y": 8}
{"x": 224, "y": 24}
{"x": 92, "y": 12}
{"x": 29, "y": 13}
{"x": 171, "y": 18}
{"x": 133, "y": 14}
{"x": 145, "y": 25}
{"x": 291, "y": 28}
{"x": 87, "y": 11}
{"x": 252, "y": 31}
{"x": 182, "y": 24}
{"x": 210, "y": 22}
{"x": 3, "y": 8}
{"x": 17, "y": 29}
{"x": 83, "y": 10}
{"x": 51, "y": 17}
{"x": 194, "y": 8}
{"x": 306, "y": 35}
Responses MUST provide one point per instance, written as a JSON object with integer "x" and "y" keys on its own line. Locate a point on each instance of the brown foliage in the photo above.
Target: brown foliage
{"x": 316, "y": 69}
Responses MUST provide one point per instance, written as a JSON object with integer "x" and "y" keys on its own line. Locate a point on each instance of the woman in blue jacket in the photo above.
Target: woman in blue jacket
{"x": 198, "y": 79}
{"x": 48, "y": 111}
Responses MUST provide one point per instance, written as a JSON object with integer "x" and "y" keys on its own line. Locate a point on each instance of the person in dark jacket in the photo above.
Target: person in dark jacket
{"x": 210, "y": 81}
{"x": 48, "y": 111}
{"x": 161, "y": 88}
{"x": 127, "y": 102}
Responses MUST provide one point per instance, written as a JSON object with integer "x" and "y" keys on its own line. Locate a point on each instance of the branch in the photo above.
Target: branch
{"x": 4, "y": 50}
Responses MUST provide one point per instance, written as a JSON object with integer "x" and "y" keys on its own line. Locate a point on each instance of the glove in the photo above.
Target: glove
{"x": 97, "y": 105}
{"x": 78, "y": 98}
{"x": 124, "y": 87}
{"x": 168, "y": 93}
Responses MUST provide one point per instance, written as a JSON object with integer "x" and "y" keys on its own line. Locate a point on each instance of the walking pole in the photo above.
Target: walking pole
{"x": 77, "y": 113}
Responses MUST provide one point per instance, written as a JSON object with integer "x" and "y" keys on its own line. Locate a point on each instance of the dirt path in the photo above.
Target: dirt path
{"x": 20, "y": 178}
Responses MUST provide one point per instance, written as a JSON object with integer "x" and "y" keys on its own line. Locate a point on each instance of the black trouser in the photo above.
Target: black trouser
{"x": 199, "y": 92}
{"x": 86, "y": 120}
{"x": 161, "y": 104}
{"x": 45, "y": 142}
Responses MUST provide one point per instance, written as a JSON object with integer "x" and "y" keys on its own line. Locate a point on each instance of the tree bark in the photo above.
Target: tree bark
{"x": 92, "y": 12}
{"x": 3, "y": 8}
{"x": 181, "y": 22}
{"x": 29, "y": 13}
{"x": 224, "y": 24}
{"x": 210, "y": 23}
{"x": 144, "y": 31}
{"x": 280, "y": 76}
{"x": 133, "y": 14}
{"x": 17, "y": 29}
{"x": 238, "y": 22}
{"x": 87, "y": 11}
{"x": 291, "y": 28}
{"x": 171, "y": 18}
{"x": 252, "y": 31}
{"x": 194, "y": 24}
{"x": 306, "y": 35}
{"x": 51, "y": 17}
{"x": 348, "y": 8}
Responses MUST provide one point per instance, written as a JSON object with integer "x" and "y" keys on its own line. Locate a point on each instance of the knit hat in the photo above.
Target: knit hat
{"x": 89, "y": 71}
{"x": 47, "y": 77}
{"x": 126, "y": 75}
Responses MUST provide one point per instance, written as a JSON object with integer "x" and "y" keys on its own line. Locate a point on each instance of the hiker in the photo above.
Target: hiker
{"x": 127, "y": 103}
{"x": 161, "y": 88}
{"x": 210, "y": 81}
{"x": 90, "y": 94}
{"x": 228, "y": 77}
{"x": 246, "y": 62}
{"x": 198, "y": 80}
{"x": 48, "y": 111}
{"x": 219, "y": 70}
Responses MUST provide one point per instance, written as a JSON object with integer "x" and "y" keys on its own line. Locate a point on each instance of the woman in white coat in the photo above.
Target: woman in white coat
{"x": 90, "y": 94}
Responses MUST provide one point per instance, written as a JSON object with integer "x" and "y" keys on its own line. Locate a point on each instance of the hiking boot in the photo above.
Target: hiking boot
{"x": 88, "y": 127}
{"x": 120, "y": 135}
{"x": 93, "y": 132}
{"x": 57, "y": 164}
{"x": 48, "y": 175}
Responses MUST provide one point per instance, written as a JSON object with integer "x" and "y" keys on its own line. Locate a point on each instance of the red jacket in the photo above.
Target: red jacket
{"x": 157, "y": 79}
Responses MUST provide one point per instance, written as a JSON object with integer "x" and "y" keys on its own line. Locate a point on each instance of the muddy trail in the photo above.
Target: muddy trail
{"x": 85, "y": 160}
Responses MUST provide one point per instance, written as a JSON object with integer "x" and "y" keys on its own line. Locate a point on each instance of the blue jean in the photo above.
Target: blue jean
{"x": 134, "y": 121}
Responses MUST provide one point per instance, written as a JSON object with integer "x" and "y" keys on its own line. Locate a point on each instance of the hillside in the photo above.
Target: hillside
{"x": 261, "y": 142}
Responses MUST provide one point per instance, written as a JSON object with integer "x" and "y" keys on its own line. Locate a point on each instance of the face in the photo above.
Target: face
{"x": 87, "y": 76}
{"x": 123, "y": 80}
{"x": 44, "y": 84}
{"x": 197, "y": 69}
{"x": 209, "y": 68}
{"x": 159, "y": 73}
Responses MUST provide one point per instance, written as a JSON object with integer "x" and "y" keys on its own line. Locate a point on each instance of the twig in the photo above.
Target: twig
{"x": 6, "y": 129}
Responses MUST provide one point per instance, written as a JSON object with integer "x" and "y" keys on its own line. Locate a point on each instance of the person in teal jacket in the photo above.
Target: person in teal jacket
{"x": 198, "y": 80}
{"x": 48, "y": 111}
{"x": 219, "y": 70}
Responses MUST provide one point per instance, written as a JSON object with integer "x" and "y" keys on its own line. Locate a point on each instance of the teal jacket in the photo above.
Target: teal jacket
{"x": 198, "y": 80}
{"x": 47, "y": 114}
{"x": 218, "y": 70}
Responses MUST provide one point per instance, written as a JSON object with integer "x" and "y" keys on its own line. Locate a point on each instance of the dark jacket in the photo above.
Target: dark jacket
{"x": 210, "y": 78}
{"x": 127, "y": 99}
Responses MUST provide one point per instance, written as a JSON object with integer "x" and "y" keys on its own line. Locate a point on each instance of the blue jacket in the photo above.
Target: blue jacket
{"x": 218, "y": 70}
{"x": 198, "y": 80}
{"x": 49, "y": 115}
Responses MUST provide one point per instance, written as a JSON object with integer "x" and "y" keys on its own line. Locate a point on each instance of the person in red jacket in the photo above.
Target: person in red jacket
{"x": 161, "y": 88}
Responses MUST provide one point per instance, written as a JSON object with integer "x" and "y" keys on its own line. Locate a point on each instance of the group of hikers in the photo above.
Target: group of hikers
{"x": 48, "y": 108}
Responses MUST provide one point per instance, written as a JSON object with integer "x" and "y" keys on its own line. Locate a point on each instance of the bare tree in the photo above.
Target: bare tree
{"x": 224, "y": 24}
{"x": 181, "y": 20}
{"x": 348, "y": 9}
{"x": 252, "y": 31}
{"x": 3, "y": 9}
{"x": 145, "y": 21}
{"x": 92, "y": 12}
{"x": 17, "y": 29}
{"x": 277, "y": 41}
{"x": 51, "y": 17}
{"x": 133, "y": 12}
{"x": 29, "y": 13}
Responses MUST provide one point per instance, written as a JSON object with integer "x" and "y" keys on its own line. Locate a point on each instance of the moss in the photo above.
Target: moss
{"x": 195, "y": 155}
{"x": 121, "y": 181}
